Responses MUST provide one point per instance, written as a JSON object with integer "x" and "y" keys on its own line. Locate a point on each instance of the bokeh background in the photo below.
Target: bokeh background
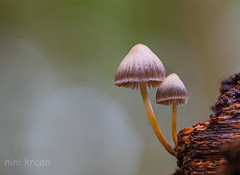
{"x": 58, "y": 59}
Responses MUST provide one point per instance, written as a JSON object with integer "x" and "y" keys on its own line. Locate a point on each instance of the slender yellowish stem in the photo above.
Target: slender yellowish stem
{"x": 174, "y": 121}
{"x": 153, "y": 120}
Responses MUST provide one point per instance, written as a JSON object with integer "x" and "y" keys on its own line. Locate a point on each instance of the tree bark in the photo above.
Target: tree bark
{"x": 203, "y": 149}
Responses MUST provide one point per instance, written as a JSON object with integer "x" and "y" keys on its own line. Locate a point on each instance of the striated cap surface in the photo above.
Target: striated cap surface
{"x": 172, "y": 88}
{"x": 140, "y": 65}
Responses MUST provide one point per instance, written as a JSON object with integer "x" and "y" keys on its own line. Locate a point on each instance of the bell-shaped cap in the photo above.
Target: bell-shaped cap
{"x": 172, "y": 88}
{"x": 140, "y": 65}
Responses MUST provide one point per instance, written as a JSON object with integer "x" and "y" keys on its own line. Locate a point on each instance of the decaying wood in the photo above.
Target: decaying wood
{"x": 232, "y": 155}
{"x": 200, "y": 148}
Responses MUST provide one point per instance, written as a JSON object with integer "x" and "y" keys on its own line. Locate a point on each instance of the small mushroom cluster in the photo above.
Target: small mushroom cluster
{"x": 142, "y": 69}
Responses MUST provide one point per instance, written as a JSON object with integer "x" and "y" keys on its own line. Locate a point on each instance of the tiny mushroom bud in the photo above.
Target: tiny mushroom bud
{"x": 172, "y": 92}
{"x": 142, "y": 69}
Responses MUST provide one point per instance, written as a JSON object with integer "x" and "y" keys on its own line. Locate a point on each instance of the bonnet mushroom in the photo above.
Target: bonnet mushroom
{"x": 142, "y": 69}
{"x": 172, "y": 92}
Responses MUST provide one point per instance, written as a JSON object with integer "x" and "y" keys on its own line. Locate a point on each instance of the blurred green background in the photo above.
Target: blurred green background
{"x": 57, "y": 64}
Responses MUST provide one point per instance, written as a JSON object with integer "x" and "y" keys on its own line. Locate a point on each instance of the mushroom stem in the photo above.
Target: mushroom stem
{"x": 153, "y": 120}
{"x": 174, "y": 121}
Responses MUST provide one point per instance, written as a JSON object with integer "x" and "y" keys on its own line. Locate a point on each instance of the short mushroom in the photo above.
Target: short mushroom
{"x": 172, "y": 92}
{"x": 142, "y": 69}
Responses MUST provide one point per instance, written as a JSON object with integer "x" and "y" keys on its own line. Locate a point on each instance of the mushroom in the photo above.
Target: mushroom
{"x": 142, "y": 69}
{"x": 172, "y": 92}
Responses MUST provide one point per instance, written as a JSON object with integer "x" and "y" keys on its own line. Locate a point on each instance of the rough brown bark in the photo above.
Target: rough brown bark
{"x": 232, "y": 155}
{"x": 200, "y": 148}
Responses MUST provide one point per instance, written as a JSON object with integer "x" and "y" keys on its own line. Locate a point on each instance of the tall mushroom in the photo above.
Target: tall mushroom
{"x": 172, "y": 92}
{"x": 142, "y": 69}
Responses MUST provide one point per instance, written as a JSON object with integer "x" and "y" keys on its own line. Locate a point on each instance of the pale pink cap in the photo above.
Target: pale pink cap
{"x": 140, "y": 65}
{"x": 172, "y": 88}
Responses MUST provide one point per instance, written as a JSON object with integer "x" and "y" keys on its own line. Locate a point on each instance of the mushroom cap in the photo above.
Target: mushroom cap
{"x": 140, "y": 65}
{"x": 172, "y": 88}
